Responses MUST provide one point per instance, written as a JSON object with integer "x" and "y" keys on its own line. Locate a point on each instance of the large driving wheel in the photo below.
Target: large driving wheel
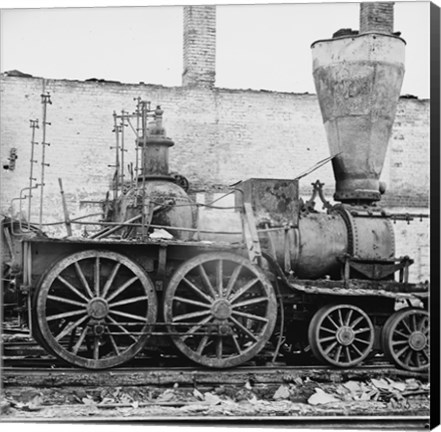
{"x": 341, "y": 335}
{"x": 405, "y": 339}
{"x": 220, "y": 309}
{"x": 94, "y": 309}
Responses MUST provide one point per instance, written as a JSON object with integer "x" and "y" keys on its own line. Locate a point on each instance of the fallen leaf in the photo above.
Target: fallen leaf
{"x": 88, "y": 401}
{"x": 321, "y": 398}
{"x": 197, "y": 394}
{"x": 35, "y": 403}
{"x": 380, "y": 383}
{"x": 352, "y": 386}
{"x": 281, "y": 393}
{"x": 212, "y": 399}
{"x": 166, "y": 396}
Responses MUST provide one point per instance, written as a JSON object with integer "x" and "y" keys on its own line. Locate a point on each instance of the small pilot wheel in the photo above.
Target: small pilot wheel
{"x": 94, "y": 309}
{"x": 405, "y": 339}
{"x": 220, "y": 309}
{"x": 341, "y": 335}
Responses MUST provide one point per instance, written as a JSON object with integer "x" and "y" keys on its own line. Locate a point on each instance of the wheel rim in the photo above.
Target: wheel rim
{"x": 406, "y": 340}
{"x": 94, "y": 309}
{"x": 341, "y": 335}
{"x": 220, "y": 309}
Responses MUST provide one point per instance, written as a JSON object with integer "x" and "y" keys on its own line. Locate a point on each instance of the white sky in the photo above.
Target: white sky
{"x": 258, "y": 46}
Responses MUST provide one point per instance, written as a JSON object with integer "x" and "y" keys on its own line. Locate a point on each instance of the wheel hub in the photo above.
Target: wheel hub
{"x": 345, "y": 335}
{"x": 97, "y": 308}
{"x": 417, "y": 341}
{"x": 221, "y": 309}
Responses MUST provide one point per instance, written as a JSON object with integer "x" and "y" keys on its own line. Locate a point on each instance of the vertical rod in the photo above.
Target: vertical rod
{"x": 116, "y": 177}
{"x": 45, "y": 99}
{"x": 137, "y": 136}
{"x": 122, "y": 146}
{"x": 144, "y": 143}
{"x": 65, "y": 211}
{"x": 34, "y": 125}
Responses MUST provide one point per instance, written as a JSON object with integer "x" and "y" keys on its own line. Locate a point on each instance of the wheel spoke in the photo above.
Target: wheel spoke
{"x": 356, "y": 349}
{"x": 122, "y": 288}
{"x": 109, "y": 281}
{"x": 70, "y": 327}
{"x": 332, "y": 322}
{"x": 243, "y": 328}
{"x": 362, "y": 330}
{"x": 122, "y": 328}
{"x": 414, "y": 322}
{"x": 128, "y": 301}
{"x": 408, "y": 357}
{"x": 326, "y": 329}
{"x": 128, "y": 315}
{"x": 250, "y": 302}
{"x": 206, "y": 280}
{"x": 114, "y": 345}
{"x": 65, "y": 300}
{"x": 219, "y": 277}
{"x": 192, "y": 302}
{"x": 236, "y": 344}
{"x": 97, "y": 276}
{"x": 348, "y": 317}
{"x": 330, "y": 347}
{"x": 219, "y": 347}
{"x": 348, "y": 354}
{"x": 190, "y": 315}
{"x": 401, "y": 342}
{"x": 397, "y": 332}
{"x": 72, "y": 288}
{"x": 338, "y": 353}
{"x": 232, "y": 280}
{"x": 197, "y": 290}
{"x": 80, "y": 340}
{"x": 340, "y": 317}
{"x": 406, "y": 326}
{"x": 357, "y": 321}
{"x": 244, "y": 289}
{"x": 65, "y": 315}
{"x": 202, "y": 345}
{"x": 195, "y": 327}
{"x": 362, "y": 341}
{"x": 327, "y": 339}
{"x": 402, "y": 351}
{"x": 96, "y": 349}
{"x": 250, "y": 316}
{"x": 83, "y": 280}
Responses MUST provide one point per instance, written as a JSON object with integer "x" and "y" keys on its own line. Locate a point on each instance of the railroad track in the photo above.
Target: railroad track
{"x": 190, "y": 376}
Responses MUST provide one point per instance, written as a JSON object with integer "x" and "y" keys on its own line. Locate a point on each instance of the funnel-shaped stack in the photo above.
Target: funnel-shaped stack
{"x": 358, "y": 81}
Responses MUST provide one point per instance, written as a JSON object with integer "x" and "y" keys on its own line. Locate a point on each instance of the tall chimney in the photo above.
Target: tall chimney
{"x": 377, "y": 17}
{"x": 358, "y": 81}
{"x": 199, "y": 46}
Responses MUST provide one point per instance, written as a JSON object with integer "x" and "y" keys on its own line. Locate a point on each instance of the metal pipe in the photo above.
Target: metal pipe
{"x": 45, "y": 99}
{"x": 33, "y": 125}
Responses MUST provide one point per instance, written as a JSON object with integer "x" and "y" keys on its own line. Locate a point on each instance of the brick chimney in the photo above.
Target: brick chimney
{"x": 199, "y": 46}
{"x": 377, "y": 17}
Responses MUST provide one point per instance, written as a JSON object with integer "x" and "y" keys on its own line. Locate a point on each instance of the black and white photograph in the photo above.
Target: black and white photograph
{"x": 220, "y": 214}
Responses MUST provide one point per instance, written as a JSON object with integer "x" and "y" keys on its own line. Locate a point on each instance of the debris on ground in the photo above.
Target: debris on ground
{"x": 381, "y": 396}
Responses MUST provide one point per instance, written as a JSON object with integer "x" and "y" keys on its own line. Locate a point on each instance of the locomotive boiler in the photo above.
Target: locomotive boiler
{"x": 152, "y": 278}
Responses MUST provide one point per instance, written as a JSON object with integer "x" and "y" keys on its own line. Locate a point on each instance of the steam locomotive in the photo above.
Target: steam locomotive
{"x": 292, "y": 281}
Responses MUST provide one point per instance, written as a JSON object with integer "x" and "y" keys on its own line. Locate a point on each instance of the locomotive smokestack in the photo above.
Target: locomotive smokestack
{"x": 358, "y": 81}
{"x": 155, "y": 147}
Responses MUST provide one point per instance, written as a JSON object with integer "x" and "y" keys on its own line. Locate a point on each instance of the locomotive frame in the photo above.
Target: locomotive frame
{"x": 298, "y": 280}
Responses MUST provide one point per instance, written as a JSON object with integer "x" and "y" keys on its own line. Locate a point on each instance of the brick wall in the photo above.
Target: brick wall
{"x": 221, "y": 136}
{"x": 199, "y": 46}
{"x": 377, "y": 16}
